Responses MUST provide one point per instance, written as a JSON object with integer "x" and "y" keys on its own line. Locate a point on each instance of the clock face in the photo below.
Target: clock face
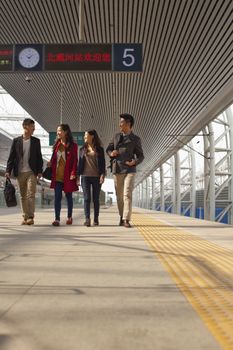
{"x": 29, "y": 57}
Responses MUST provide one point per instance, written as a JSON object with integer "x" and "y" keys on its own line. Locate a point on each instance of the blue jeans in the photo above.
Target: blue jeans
{"x": 87, "y": 182}
{"x": 57, "y": 201}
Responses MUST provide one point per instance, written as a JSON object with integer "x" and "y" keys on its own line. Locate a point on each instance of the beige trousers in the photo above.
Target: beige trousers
{"x": 27, "y": 188}
{"x": 124, "y": 184}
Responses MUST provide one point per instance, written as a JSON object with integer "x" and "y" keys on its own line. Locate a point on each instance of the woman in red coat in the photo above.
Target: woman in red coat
{"x": 64, "y": 168}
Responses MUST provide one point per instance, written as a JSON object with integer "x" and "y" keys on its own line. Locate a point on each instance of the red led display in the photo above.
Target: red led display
{"x": 81, "y": 57}
{"x": 6, "y": 58}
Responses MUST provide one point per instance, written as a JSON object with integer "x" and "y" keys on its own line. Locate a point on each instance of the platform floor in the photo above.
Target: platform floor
{"x": 167, "y": 283}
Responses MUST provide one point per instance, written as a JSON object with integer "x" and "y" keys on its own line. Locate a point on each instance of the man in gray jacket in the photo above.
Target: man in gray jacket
{"x": 125, "y": 152}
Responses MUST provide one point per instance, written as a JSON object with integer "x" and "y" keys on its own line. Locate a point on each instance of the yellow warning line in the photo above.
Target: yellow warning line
{"x": 202, "y": 270}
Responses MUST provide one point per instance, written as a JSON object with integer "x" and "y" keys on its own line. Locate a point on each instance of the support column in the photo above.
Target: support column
{"x": 177, "y": 202}
{"x": 209, "y": 171}
{"x": 142, "y": 195}
{"x": 162, "y": 201}
{"x": 153, "y": 190}
{"x": 229, "y": 115}
{"x": 193, "y": 184}
{"x": 173, "y": 185}
{"x": 138, "y": 195}
{"x": 147, "y": 194}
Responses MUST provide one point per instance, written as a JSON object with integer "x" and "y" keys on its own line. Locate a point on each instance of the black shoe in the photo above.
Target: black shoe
{"x": 87, "y": 223}
{"x": 121, "y": 223}
{"x": 96, "y": 222}
{"x": 127, "y": 224}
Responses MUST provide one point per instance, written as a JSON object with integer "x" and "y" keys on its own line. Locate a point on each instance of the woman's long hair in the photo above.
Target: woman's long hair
{"x": 97, "y": 144}
{"x": 69, "y": 136}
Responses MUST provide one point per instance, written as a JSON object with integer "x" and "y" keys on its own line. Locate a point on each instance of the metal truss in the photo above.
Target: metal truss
{"x": 167, "y": 186}
{"x": 172, "y": 187}
{"x": 218, "y": 168}
{"x": 186, "y": 181}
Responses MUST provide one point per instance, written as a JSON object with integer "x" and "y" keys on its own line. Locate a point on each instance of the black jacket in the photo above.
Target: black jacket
{"x": 16, "y": 154}
{"x": 129, "y": 147}
{"x": 100, "y": 161}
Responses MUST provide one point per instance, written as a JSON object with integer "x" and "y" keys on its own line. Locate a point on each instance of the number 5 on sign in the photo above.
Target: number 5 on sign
{"x": 127, "y": 57}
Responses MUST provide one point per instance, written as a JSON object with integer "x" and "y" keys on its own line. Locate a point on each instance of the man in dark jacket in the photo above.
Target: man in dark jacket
{"x": 26, "y": 163}
{"x": 125, "y": 152}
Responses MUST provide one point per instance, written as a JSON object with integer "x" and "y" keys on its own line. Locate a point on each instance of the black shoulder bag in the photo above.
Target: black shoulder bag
{"x": 9, "y": 193}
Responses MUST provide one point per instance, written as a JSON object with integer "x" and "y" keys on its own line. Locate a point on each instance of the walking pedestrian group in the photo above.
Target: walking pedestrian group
{"x": 69, "y": 172}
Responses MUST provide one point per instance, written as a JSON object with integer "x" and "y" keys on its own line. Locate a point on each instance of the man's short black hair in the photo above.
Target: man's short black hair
{"x": 128, "y": 118}
{"x": 28, "y": 121}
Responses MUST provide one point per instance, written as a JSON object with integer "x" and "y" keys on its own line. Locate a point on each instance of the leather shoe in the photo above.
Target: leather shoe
{"x": 69, "y": 221}
{"x": 87, "y": 222}
{"x": 30, "y": 221}
{"x": 96, "y": 222}
{"x": 56, "y": 223}
{"x": 127, "y": 224}
{"x": 121, "y": 223}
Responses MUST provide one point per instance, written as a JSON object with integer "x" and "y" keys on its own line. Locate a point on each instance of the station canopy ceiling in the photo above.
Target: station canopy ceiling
{"x": 187, "y": 77}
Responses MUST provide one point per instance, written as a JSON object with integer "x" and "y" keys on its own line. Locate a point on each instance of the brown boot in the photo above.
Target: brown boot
{"x": 87, "y": 223}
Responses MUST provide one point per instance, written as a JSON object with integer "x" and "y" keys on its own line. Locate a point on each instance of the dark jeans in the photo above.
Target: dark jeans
{"x": 57, "y": 201}
{"x": 87, "y": 182}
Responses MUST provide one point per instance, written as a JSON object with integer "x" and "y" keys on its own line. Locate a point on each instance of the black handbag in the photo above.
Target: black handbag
{"x": 47, "y": 173}
{"x": 9, "y": 193}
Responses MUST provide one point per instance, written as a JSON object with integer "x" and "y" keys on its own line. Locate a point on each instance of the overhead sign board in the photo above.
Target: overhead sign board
{"x": 87, "y": 57}
{"x": 71, "y": 58}
{"x": 127, "y": 57}
{"x": 6, "y": 58}
{"x": 28, "y": 57}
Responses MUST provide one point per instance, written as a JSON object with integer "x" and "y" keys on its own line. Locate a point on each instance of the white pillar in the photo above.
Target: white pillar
{"x": 209, "y": 171}
{"x": 142, "y": 195}
{"x": 147, "y": 194}
{"x": 193, "y": 184}
{"x": 212, "y": 173}
{"x": 173, "y": 183}
{"x": 229, "y": 115}
{"x": 153, "y": 190}
{"x": 177, "y": 202}
{"x": 138, "y": 195}
{"x": 162, "y": 202}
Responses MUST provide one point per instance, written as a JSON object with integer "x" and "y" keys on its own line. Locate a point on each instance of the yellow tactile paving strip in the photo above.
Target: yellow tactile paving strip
{"x": 202, "y": 270}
